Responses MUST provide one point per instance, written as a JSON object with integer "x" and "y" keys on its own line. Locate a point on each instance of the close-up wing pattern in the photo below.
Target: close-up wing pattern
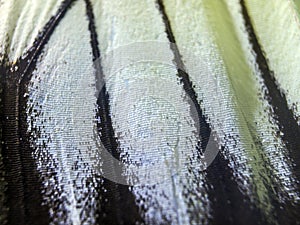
{"x": 150, "y": 112}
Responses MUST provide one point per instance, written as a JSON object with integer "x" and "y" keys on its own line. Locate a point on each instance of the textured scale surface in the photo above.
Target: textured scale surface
{"x": 149, "y": 112}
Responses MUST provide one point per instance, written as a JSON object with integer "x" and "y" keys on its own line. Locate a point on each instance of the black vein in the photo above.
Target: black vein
{"x": 286, "y": 212}
{"x": 229, "y": 205}
{"x": 116, "y": 201}
{"x": 24, "y": 198}
{"x": 184, "y": 78}
{"x": 285, "y": 117}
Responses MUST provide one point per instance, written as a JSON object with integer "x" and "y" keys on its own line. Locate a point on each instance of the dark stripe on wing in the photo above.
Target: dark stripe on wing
{"x": 24, "y": 188}
{"x": 229, "y": 204}
{"x": 285, "y": 116}
{"x": 117, "y": 203}
{"x": 184, "y": 78}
